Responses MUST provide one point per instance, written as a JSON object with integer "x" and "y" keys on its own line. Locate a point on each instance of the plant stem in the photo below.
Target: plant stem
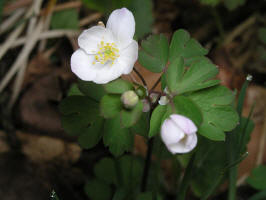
{"x": 140, "y": 76}
{"x": 147, "y": 166}
{"x": 232, "y": 183}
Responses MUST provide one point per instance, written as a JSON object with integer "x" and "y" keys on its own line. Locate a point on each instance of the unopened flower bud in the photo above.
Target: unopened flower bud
{"x": 146, "y": 105}
{"x": 129, "y": 99}
{"x": 154, "y": 97}
{"x": 179, "y": 134}
{"x": 163, "y": 100}
{"x": 141, "y": 92}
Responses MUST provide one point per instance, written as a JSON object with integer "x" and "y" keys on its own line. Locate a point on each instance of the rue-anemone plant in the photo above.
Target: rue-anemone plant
{"x": 192, "y": 123}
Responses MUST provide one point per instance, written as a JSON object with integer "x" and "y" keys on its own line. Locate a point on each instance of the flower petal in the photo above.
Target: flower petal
{"x": 184, "y": 123}
{"x": 184, "y": 146}
{"x": 170, "y": 132}
{"x": 128, "y": 57}
{"x": 90, "y": 39}
{"x": 122, "y": 24}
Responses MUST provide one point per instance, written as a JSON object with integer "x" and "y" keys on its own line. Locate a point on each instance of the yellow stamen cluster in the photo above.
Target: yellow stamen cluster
{"x": 107, "y": 52}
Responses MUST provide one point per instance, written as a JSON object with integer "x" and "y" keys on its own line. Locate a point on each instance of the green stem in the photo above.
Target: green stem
{"x": 147, "y": 166}
{"x": 232, "y": 183}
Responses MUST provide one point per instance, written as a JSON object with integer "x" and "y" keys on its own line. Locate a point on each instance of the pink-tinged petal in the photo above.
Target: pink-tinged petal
{"x": 90, "y": 39}
{"x": 184, "y": 146}
{"x": 128, "y": 57}
{"x": 122, "y": 24}
{"x": 184, "y": 123}
{"x": 170, "y": 132}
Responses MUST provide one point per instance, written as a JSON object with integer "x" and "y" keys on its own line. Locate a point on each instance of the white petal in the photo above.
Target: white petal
{"x": 184, "y": 123}
{"x": 184, "y": 146}
{"x": 170, "y": 132}
{"x": 90, "y": 39}
{"x": 81, "y": 65}
{"x": 122, "y": 24}
{"x": 128, "y": 57}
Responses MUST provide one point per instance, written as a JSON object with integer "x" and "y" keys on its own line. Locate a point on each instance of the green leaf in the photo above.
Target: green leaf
{"x": 209, "y": 165}
{"x": 74, "y": 90}
{"x": 130, "y": 117}
{"x": 110, "y": 106}
{"x": 145, "y": 196}
{"x": 118, "y": 139}
{"x": 105, "y": 170}
{"x": 118, "y": 86}
{"x": 92, "y": 134}
{"x": 142, "y": 125}
{"x": 131, "y": 170}
{"x": 98, "y": 190}
{"x": 183, "y": 45}
{"x": 210, "y": 2}
{"x": 233, "y": 4}
{"x": 92, "y": 90}
{"x": 185, "y": 106}
{"x": 77, "y": 113}
{"x": 65, "y": 19}
{"x": 218, "y": 113}
{"x": 197, "y": 77}
{"x": 257, "y": 179}
{"x": 156, "y": 120}
{"x": 120, "y": 194}
{"x": 175, "y": 73}
{"x": 101, "y": 5}
{"x": 154, "y": 53}
{"x": 262, "y": 34}
{"x": 142, "y": 11}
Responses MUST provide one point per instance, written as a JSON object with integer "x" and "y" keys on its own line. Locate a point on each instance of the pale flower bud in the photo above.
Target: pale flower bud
{"x": 129, "y": 99}
{"x": 179, "y": 134}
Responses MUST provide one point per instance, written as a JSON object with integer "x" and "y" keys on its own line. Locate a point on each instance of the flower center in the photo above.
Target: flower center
{"x": 107, "y": 52}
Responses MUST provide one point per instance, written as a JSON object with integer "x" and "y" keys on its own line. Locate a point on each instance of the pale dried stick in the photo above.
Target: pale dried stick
{"x": 239, "y": 29}
{"x": 47, "y": 20}
{"x": 48, "y": 35}
{"x": 89, "y": 19}
{"x": 11, "y": 20}
{"x": 9, "y": 8}
{"x": 20, "y": 76}
{"x": 22, "y": 56}
{"x": 13, "y": 36}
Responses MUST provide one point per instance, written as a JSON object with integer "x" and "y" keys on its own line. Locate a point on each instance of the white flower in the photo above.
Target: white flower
{"x": 106, "y": 53}
{"x": 179, "y": 134}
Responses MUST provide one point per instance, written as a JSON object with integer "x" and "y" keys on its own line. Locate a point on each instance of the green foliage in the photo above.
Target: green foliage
{"x": 218, "y": 113}
{"x": 118, "y": 139}
{"x": 130, "y": 117}
{"x": 110, "y": 105}
{"x": 91, "y": 135}
{"x": 54, "y": 196}
{"x": 156, "y": 120}
{"x": 262, "y": 34}
{"x": 257, "y": 179}
{"x": 74, "y": 90}
{"x": 65, "y": 19}
{"x": 92, "y": 90}
{"x": 259, "y": 196}
{"x": 154, "y": 53}
{"x": 2, "y": 3}
{"x": 210, "y": 2}
{"x": 209, "y": 165}
{"x": 118, "y": 86}
{"x": 141, "y": 9}
{"x": 186, "y": 47}
{"x": 141, "y": 127}
{"x": 145, "y": 196}
{"x": 195, "y": 78}
{"x": 233, "y": 4}
{"x": 105, "y": 169}
{"x": 77, "y": 113}
{"x": 98, "y": 190}
{"x": 186, "y": 107}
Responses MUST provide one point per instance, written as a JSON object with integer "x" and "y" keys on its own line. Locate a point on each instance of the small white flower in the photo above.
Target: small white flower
{"x": 179, "y": 134}
{"x": 106, "y": 53}
{"x": 163, "y": 100}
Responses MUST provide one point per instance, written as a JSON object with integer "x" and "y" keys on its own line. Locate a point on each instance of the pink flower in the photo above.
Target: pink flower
{"x": 179, "y": 134}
